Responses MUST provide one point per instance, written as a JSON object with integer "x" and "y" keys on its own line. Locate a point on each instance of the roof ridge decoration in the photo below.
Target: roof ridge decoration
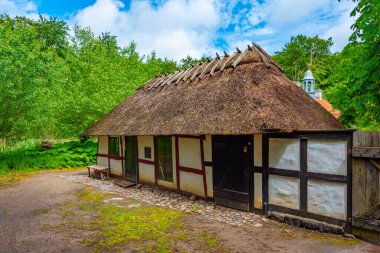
{"x": 253, "y": 53}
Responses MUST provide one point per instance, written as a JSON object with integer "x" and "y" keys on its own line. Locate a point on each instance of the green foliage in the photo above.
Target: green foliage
{"x": 301, "y": 51}
{"x": 57, "y": 85}
{"x": 34, "y": 157}
{"x": 189, "y": 61}
{"x": 356, "y": 90}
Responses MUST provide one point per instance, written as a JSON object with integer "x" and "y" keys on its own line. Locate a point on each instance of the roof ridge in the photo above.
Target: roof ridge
{"x": 211, "y": 67}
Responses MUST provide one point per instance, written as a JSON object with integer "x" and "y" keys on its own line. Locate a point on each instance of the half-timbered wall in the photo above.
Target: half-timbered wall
{"x": 191, "y": 173}
{"x": 146, "y": 164}
{"x": 103, "y": 158}
{"x": 102, "y": 155}
{"x": 307, "y": 174}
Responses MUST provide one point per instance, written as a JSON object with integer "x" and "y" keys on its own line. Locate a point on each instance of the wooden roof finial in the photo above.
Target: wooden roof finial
{"x": 225, "y": 54}
{"x": 238, "y": 50}
{"x": 217, "y": 55}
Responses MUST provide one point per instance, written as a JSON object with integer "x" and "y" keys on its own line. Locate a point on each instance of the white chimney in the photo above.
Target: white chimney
{"x": 318, "y": 94}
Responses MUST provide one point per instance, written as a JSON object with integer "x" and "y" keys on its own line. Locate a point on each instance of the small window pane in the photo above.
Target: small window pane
{"x": 148, "y": 152}
{"x": 164, "y": 158}
{"x": 114, "y": 146}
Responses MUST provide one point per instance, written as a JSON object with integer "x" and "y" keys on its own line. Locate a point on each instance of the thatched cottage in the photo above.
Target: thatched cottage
{"x": 234, "y": 130}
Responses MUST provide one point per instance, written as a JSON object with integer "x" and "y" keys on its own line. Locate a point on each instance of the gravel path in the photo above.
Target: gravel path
{"x": 159, "y": 197}
{"x": 28, "y": 208}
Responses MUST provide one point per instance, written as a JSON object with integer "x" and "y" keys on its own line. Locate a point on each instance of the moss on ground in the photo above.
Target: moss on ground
{"x": 104, "y": 226}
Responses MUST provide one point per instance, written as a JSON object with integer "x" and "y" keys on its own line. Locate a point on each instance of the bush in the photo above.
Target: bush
{"x": 35, "y": 157}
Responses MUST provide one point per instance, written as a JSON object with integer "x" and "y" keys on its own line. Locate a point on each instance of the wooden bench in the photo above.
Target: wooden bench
{"x": 102, "y": 171}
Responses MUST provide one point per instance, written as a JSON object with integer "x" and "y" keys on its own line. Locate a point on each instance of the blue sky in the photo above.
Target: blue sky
{"x": 175, "y": 29}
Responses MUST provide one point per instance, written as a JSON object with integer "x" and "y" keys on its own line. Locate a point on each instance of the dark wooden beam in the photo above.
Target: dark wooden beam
{"x": 303, "y": 175}
{"x": 146, "y": 161}
{"x": 304, "y": 214}
{"x": 265, "y": 164}
{"x": 366, "y": 152}
{"x": 177, "y": 163}
{"x": 327, "y": 177}
{"x": 283, "y": 172}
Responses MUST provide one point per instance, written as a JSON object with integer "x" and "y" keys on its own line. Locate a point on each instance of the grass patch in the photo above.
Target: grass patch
{"x": 40, "y": 211}
{"x": 105, "y": 226}
{"x": 338, "y": 239}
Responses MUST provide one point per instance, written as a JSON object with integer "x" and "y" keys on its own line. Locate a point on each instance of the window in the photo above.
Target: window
{"x": 164, "y": 158}
{"x": 147, "y": 152}
{"x": 114, "y": 146}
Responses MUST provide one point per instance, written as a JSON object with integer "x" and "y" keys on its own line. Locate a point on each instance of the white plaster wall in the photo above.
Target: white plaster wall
{"x": 257, "y": 150}
{"x": 102, "y": 161}
{"x": 207, "y": 148}
{"x": 327, "y": 156}
{"x": 145, "y": 141}
{"x": 189, "y": 153}
{"x": 258, "y": 194}
{"x": 146, "y": 173}
{"x": 116, "y": 167}
{"x": 284, "y": 191}
{"x": 192, "y": 183}
{"x": 327, "y": 199}
{"x": 210, "y": 187}
{"x": 284, "y": 153}
{"x": 103, "y": 144}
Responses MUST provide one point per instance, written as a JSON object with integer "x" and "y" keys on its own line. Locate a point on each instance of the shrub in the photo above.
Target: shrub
{"x": 34, "y": 157}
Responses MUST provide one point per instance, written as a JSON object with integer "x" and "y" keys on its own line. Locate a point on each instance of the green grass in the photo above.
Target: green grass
{"x": 110, "y": 227}
{"x": 30, "y": 157}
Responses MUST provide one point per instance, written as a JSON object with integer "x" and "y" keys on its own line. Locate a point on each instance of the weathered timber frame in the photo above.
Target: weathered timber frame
{"x": 304, "y": 175}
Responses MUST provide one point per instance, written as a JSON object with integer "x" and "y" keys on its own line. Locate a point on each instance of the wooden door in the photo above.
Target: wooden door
{"x": 131, "y": 158}
{"x": 231, "y": 171}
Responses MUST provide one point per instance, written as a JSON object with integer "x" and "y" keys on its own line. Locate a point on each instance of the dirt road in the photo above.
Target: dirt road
{"x": 28, "y": 208}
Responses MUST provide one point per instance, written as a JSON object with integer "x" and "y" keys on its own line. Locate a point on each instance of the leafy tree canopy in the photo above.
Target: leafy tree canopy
{"x": 301, "y": 51}
{"x": 56, "y": 85}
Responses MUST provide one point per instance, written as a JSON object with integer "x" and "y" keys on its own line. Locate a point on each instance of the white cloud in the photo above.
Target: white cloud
{"x": 178, "y": 28}
{"x": 175, "y": 29}
{"x": 19, "y": 8}
{"x": 341, "y": 30}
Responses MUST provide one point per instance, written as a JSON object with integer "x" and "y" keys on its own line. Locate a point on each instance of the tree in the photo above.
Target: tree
{"x": 357, "y": 80}
{"x": 301, "y": 51}
{"x": 56, "y": 85}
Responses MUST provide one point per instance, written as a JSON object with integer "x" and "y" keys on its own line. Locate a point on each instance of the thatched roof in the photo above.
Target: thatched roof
{"x": 244, "y": 93}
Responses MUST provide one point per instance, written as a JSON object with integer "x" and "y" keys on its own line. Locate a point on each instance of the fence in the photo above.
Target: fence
{"x": 365, "y": 171}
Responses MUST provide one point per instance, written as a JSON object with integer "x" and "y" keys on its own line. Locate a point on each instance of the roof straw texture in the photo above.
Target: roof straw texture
{"x": 243, "y": 93}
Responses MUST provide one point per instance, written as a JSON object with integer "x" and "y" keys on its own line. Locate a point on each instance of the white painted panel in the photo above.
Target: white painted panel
{"x": 327, "y": 199}
{"x": 284, "y": 191}
{"x": 284, "y": 153}
{"x": 116, "y": 168}
{"x": 102, "y": 161}
{"x": 327, "y": 156}
{"x": 146, "y": 173}
{"x": 210, "y": 188}
{"x": 103, "y": 144}
{"x": 190, "y": 153}
{"x": 191, "y": 182}
{"x": 207, "y": 148}
{"x": 258, "y": 194}
{"x": 257, "y": 150}
{"x": 142, "y": 142}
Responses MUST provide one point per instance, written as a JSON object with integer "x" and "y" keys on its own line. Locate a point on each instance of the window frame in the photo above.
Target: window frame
{"x": 168, "y": 171}
{"x": 114, "y": 146}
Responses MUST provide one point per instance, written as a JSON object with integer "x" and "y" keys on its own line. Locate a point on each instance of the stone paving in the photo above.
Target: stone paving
{"x": 155, "y": 196}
